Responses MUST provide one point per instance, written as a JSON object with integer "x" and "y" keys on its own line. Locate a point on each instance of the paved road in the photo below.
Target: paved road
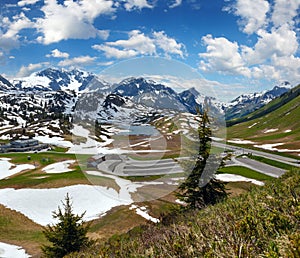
{"x": 239, "y": 150}
{"x": 258, "y": 166}
{"x": 124, "y": 166}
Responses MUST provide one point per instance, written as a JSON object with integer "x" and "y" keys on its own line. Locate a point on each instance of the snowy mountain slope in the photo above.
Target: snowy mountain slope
{"x": 76, "y": 94}
{"x": 119, "y": 109}
{"x": 247, "y": 103}
{"x": 192, "y": 99}
{"x": 150, "y": 94}
{"x": 59, "y": 79}
{"x": 5, "y": 85}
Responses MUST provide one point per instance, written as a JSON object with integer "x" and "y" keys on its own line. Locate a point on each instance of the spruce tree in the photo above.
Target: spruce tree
{"x": 201, "y": 188}
{"x": 68, "y": 235}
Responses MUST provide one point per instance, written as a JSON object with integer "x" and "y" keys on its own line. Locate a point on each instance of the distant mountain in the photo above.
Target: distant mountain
{"x": 247, "y": 103}
{"x": 270, "y": 107}
{"x": 66, "y": 87}
{"x": 123, "y": 109}
{"x": 5, "y": 85}
{"x": 53, "y": 79}
{"x": 193, "y": 99}
{"x": 150, "y": 93}
{"x": 276, "y": 124}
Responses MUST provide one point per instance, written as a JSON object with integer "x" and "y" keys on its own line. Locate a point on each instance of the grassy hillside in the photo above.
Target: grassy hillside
{"x": 277, "y": 122}
{"x": 261, "y": 223}
{"x": 270, "y": 107}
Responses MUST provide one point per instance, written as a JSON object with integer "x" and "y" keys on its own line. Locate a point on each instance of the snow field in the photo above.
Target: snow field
{"x": 8, "y": 169}
{"x": 12, "y": 251}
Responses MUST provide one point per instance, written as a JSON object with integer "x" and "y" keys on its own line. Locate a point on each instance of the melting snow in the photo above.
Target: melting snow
{"x": 59, "y": 141}
{"x": 269, "y": 146}
{"x": 272, "y": 145}
{"x": 237, "y": 178}
{"x": 142, "y": 211}
{"x": 12, "y": 251}
{"x": 271, "y": 130}
{"x": 239, "y": 141}
{"x": 59, "y": 167}
{"x": 38, "y": 204}
{"x": 250, "y": 126}
{"x": 288, "y": 131}
{"x": 8, "y": 169}
{"x": 91, "y": 146}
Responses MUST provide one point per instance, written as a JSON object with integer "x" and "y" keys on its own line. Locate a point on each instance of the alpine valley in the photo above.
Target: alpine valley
{"x": 45, "y": 102}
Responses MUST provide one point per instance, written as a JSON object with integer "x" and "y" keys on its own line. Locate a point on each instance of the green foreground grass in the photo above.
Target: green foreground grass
{"x": 263, "y": 222}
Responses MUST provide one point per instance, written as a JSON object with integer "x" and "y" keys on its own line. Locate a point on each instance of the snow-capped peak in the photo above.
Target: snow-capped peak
{"x": 52, "y": 79}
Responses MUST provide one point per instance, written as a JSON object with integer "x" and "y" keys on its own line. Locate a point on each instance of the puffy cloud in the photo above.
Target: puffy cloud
{"x": 78, "y": 61}
{"x": 253, "y": 14}
{"x": 272, "y": 57}
{"x": 223, "y": 56}
{"x": 280, "y": 42}
{"x": 9, "y": 37}
{"x": 72, "y": 20}
{"x": 137, "y": 41}
{"x": 112, "y": 52}
{"x": 279, "y": 69}
{"x": 27, "y": 2}
{"x": 285, "y": 11}
{"x": 27, "y": 70}
{"x": 167, "y": 44}
{"x": 140, "y": 44}
{"x": 136, "y": 4}
{"x": 58, "y": 54}
{"x": 175, "y": 4}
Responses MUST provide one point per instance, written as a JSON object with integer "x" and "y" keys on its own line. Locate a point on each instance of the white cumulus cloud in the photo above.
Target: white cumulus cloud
{"x": 72, "y": 20}
{"x": 11, "y": 27}
{"x": 77, "y": 61}
{"x": 136, "y": 4}
{"x": 140, "y": 44}
{"x": 279, "y": 42}
{"x": 137, "y": 41}
{"x": 58, "y": 54}
{"x": 253, "y": 14}
{"x": 27, "y": 2}
{"x": 29, "y": 69}
{"x": 285, "y": 11}
{"x": 168, "y": 45}
{"x": 222, "y": 56}
{"x": 112, "y": 52}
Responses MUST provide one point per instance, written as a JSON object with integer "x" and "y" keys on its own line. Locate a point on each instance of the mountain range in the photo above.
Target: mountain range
{"x": 62, "y": 88}
{"x": 274, "y": 126}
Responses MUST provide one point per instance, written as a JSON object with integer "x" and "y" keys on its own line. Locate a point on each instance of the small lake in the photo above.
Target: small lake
{"x": 139, "y": 130}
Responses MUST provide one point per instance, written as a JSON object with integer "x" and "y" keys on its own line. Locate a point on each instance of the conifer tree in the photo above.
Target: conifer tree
{"x": 201, "y": 188}
{"x": 68, "y": 235}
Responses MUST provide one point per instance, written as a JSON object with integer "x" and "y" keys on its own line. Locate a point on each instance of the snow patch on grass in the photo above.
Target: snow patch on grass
{"x": 142, "y": 211}
{"x": 250, "y": 126}
{"x": 59, "y": 167}
{"x": 12, "y": 251}
{"x": 271, "y": 130}
{"x": 8, "y": 169}
{"x": 58, "y": 141}
{"x": 273, "y": 145}
{"x": 38, "y": 204}
{"x": 239, "y": 141}
{"x": 237, "y": 178}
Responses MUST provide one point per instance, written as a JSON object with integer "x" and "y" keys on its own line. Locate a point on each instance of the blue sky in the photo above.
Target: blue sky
{"x": 237, "y": 45}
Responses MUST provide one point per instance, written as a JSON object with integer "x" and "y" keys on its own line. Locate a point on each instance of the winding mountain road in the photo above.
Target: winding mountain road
{"x": 258, "y": 166}
{"x": 241, "y": 150}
